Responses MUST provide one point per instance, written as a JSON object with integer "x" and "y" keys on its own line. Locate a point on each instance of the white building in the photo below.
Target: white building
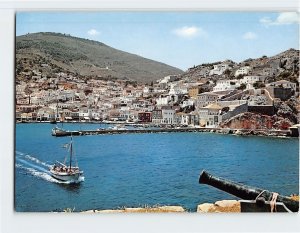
{"x": 147, "y": 90}
{"x": 250, "y": 80}
{"x": 168, "y": 115}
{"x": 169, "y": 78}
{"x": 163, "y": 100}
{"x": 242, "y": 71}
{"x": 219, "y": 69}
{"x": 210, "y": 116}
{"x": 96, "y": 115}
{"x": 85, "y": 114}
{"x": 188, "y": 102}
{"x": 205, "y": 99}
{"x": 66, "y": 95}
{"x": 45, "y": 113}
{"x": 178, "y": 89}
{"x": 181, "y": 118}
{"x": 226, "y": 85}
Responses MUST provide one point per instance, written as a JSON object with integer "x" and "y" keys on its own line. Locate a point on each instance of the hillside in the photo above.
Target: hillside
{"x": 284, "y": 65}
{"x": 85, "y": 58}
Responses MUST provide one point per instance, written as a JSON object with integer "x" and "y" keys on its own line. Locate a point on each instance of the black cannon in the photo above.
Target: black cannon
{"x": 245, "y": 192}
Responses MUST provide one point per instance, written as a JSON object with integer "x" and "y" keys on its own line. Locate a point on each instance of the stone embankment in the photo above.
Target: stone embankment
{"x": 224, "y": 206}
{"x": 159, "y": 209}
{"x": 227, "y": 206}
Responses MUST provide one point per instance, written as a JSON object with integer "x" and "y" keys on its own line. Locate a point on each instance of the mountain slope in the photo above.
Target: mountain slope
{"x": 285, "y": 66}
{"x": 88, "y": 58}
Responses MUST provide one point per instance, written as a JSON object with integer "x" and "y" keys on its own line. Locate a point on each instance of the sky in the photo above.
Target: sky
{"x": 180, "y": 39}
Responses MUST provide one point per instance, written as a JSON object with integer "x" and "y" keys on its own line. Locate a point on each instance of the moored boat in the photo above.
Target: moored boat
{"x": 56, "y": 131}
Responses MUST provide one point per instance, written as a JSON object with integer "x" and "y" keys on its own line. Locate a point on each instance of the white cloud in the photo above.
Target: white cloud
{"x": 249, "y": 36}
{"x": 190, "y": 32}
{"x": 93, "y": 32}
{"x": 282, "y": 19}
{"x": 288, "y": 18}
{"x": 265, "y": 20}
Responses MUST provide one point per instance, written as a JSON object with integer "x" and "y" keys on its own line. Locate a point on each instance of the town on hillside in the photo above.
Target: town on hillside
{"x": 260, "y": 93}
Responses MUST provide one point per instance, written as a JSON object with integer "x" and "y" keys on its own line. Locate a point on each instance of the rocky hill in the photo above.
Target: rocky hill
{"x": 284, "y": 65}
{"x": 83, "y": 57}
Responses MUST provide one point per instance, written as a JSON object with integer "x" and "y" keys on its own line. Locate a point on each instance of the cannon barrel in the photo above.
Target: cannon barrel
{"x": 243, "y": 191}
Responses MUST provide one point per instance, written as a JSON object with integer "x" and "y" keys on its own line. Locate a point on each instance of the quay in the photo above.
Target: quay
{"x": 129, "y": 131}
{"x": 242, "y": 132}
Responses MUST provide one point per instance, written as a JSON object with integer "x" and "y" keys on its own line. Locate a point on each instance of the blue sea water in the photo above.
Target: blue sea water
{"x": 135, "y": 170}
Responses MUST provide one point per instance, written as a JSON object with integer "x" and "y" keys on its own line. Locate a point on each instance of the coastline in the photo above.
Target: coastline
{"x": 222, "y": 206}
{"x": 164, "y": 129}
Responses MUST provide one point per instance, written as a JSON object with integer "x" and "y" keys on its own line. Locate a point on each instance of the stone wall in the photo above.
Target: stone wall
{"x": 262, "y": 109}
{"x": 237, "y": 110}
{"x": 231, "y": 102}
{"x": 281, "y": 93}
{"x": 236, "y": 96}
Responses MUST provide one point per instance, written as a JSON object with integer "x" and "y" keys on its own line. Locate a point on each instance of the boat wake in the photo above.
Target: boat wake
{"x": 37, "y": 168}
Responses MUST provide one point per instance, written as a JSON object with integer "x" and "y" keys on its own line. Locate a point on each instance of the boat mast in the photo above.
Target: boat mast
{"x": 56, "y": 117}
{"x": 71, "y": 152}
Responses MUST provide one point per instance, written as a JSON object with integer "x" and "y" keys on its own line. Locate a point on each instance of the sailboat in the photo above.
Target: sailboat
{"x": 67, "y": 172}
{"x": 53, "y": 120}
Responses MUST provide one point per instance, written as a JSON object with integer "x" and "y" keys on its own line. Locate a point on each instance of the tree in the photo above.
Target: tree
{"x": 227, "y": 72}
{"x": 242, "y": 86}
{"x": 258, "y": 85}
{"x": 240, "y": 76}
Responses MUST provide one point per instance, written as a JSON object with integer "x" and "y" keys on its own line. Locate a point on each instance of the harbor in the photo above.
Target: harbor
{"x": 163, "y": 167}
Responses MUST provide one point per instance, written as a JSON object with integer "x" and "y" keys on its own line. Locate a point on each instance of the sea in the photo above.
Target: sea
{"x": 144, "y": 170}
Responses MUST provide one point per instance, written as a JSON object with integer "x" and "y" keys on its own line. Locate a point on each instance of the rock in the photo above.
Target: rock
{"x": 252, "y": 121}
{"x": 109, "y": 211}
{"x": 103, "y": 211}
{"x": 226, "y": 203}
{"x": 225, "y": 206}
{"x": 159, "y": 209}
{"x": 206, "y": 208}
{"x": 133, "y": 210}
{"x": 172, "y": 208}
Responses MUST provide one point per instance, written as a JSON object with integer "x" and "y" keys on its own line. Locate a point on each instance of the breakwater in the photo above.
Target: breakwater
{"x": 258, "y": 132}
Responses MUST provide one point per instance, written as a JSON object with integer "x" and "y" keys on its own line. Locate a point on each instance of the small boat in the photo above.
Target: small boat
{"x": 67, "y": 172}
{"x": 60, "y": 132}
{"x": 52, "y": 121}
{"x": 56, "y": 131}
{"x": 118, "y": 127}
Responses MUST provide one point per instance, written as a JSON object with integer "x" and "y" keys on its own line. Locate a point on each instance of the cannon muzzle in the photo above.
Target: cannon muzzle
{"x": 244, "y": 191}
